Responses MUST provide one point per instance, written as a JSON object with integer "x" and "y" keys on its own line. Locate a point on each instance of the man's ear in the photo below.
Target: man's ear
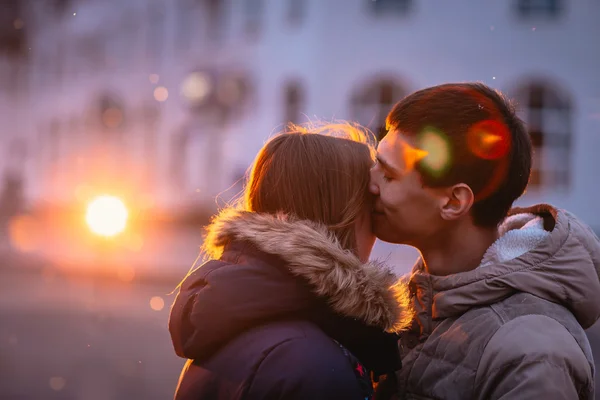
{"x": 458, "y": 202}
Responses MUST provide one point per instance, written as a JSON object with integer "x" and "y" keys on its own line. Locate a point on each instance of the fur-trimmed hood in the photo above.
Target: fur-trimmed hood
{"x": 272, "y": 268}
{"x": 367, "y": 291}
{"x": 544, "y": 251}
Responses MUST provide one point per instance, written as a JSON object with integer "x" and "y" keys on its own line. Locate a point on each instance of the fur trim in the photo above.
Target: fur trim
{"x": 367, "y": 291}
{"x": 520, "y": 233}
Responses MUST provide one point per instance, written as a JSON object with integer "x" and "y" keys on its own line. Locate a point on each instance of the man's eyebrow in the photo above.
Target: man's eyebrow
{"x": 387, "y": 166}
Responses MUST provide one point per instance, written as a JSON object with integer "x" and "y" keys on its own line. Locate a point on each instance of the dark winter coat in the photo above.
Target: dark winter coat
{"x": 284, "y": 313}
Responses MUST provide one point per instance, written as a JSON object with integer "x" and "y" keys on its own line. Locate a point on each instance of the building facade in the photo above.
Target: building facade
{"x": 168, "y": 102}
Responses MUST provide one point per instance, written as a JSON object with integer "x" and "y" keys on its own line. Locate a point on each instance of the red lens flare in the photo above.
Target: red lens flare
{"x": 489, "y": 140}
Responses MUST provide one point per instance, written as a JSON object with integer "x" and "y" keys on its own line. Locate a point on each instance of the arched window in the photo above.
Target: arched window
{"x": 391, "y": 6}
{"x": 54, "y": 138}
{"x": 296, "y": 12}
{"x": 294, "y": 102}
{"x": 179, "y": 159}
{"x": 539, "y": 8}
{"x": 254, "y": 18}
{"x": 371, "y": 103}
{"x": 547, "y": 112}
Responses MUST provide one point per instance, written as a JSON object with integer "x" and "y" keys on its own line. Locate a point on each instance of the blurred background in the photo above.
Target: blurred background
{"x": 125, "y": 124}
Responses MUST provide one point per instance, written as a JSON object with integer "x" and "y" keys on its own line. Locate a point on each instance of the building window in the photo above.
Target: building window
{"x": 111, "y": 113}
{"x": 93, "y": 51}
{"x": 391, "y": 6}
{"x": 254, "y": 17}
{"x": 547, "y": 112}
{"x": 215, "y": 12}
{"x": 294, "y": 101}
{"x": 150, "y": 116}
{"x": 372, "y": 102}
{"x": 179, "y": 159}
{"x": 185, "y": 24}
{"x": 155, "y": 32}
{"x": 539, "y": 8}
{"x": 61, "y": 6}
{"x": 60, "y": 62}
{"x": 54, "y": 141}
{"x": 295, "y": 11}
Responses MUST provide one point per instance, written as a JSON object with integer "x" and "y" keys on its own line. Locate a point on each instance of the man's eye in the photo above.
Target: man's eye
{"x": 386, "y": 178}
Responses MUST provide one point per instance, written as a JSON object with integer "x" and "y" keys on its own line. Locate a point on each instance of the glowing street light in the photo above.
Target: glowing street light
{"x": 106, "y": 216}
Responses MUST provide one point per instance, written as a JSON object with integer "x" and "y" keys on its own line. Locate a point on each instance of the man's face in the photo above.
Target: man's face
{"x": 404, "y": 212}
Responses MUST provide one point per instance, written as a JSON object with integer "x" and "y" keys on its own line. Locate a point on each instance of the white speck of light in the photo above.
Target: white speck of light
{"x": 493, "y": 77}
{"x": 74, "y": 14}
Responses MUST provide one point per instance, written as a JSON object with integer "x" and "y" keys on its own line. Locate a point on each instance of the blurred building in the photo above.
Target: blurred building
{"x": 167, "y": 102}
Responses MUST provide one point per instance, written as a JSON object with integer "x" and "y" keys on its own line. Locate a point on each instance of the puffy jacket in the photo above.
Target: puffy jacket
{"x": 282, "y": 312}
{"x": 514, "y": 327}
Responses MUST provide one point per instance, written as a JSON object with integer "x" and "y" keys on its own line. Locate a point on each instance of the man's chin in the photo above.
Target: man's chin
{"x": 380, "y": 227}
{"x": 384, "y": 231}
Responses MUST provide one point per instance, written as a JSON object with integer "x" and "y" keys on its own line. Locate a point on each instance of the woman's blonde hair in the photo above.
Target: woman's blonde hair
{"x": 316, "y": 172}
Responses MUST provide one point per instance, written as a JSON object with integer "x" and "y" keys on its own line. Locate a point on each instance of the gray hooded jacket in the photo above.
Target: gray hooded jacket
{"x": 514, "y": 327}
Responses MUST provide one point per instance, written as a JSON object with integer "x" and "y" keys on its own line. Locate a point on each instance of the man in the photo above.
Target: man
{"x": 501, "y": 297}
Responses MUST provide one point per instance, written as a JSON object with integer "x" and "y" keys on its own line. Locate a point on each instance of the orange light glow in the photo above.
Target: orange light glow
{"x": 412, "y": 155}
{"x": 489, "y": 140}
{"x": 23, "y": 233}
{"x": 107, "y": 216}
{"x": 126, "y": 274}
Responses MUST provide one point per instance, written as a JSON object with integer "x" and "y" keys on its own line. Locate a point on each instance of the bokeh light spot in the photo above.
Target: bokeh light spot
{"x": 157, "y": 303}
{"x": 196, "y": 87}
{"x": 161, "y": 94}
{"x": 489, "y": 140}
{"x": 435, "y": 144}
{"x": 57, "y": 383}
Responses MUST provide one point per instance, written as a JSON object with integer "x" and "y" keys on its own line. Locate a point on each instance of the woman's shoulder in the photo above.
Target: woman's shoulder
{"x": 301, "y": 361}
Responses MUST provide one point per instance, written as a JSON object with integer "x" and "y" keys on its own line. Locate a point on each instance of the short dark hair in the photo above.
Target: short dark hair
{"x": 455, "y": 109}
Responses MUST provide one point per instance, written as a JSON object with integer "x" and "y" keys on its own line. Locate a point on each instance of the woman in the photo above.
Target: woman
{"x": 289, "y": 307}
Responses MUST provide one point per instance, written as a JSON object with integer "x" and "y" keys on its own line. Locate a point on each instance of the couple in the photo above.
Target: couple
{"x": 290, "y": 307}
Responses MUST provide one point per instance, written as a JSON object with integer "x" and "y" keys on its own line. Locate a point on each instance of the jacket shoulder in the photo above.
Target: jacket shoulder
{"x": 305, "y": 365}
{"x": 290, "y": 359}
{"x": 534, "y": 351}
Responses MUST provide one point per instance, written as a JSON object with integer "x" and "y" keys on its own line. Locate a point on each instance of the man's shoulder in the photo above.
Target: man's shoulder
{"x": 526, "y": 306}
{"x": 524, "y": 326}
{"x": 508, "y": 322}
{"x": 520, "y": 305}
